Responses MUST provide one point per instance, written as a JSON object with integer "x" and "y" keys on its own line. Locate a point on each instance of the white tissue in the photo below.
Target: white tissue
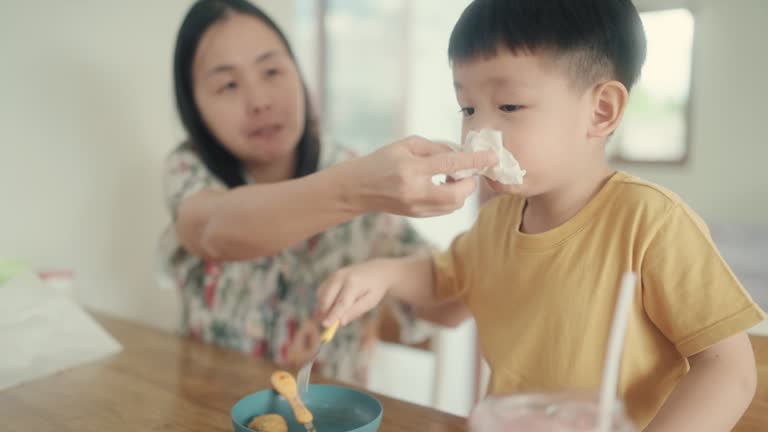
{"x": 508, "y": 170}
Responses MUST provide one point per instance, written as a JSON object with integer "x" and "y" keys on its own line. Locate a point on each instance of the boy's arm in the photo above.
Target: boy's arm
{"x": 351, "y": 292}
{"x": 423, "y": 281}
{"x": 450, "y": 313}
{"x": 714, "y": 394}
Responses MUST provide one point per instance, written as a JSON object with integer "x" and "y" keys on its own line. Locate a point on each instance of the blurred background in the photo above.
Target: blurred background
{"x": 87, "y": 116}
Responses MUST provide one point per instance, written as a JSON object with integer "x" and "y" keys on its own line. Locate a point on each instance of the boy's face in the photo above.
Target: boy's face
{"x": 544, "y": 117}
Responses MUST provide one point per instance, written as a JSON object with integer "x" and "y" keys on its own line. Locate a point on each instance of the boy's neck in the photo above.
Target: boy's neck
{"x": 552, "y": 209}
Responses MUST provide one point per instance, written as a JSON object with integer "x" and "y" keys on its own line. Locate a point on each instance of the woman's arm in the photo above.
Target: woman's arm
{"x": 260, "y": 220}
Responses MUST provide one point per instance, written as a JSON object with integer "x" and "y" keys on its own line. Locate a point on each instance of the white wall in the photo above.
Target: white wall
{"x": 87, "y": 116}
{"x": 725, "y": 179}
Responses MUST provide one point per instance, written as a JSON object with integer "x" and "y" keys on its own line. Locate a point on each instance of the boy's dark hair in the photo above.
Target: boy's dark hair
{"x": 598, "y": 38}
{"x": 221, "y": 162}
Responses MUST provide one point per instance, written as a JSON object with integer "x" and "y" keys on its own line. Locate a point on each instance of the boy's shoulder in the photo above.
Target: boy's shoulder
{"x": 654, "y": 205}
{"x": 634, "y": 189}
{"x": 624, "y": 197}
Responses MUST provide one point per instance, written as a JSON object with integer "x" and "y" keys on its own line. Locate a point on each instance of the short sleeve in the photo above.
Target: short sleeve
{"x": 689, "y": 292}
{"x": 185, "y": 174}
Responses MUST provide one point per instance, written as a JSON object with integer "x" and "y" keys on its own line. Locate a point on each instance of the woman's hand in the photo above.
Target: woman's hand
{"x": 398, "y": 178}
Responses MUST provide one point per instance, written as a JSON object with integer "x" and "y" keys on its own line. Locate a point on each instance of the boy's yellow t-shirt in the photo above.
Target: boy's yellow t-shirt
{"x": 543, "y": 303}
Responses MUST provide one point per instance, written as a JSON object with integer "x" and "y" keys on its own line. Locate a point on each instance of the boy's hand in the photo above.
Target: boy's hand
{"x": 352, "y": 291}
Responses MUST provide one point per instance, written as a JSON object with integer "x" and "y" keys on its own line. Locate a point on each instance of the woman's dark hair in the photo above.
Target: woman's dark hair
{"x": 220, "y": 161}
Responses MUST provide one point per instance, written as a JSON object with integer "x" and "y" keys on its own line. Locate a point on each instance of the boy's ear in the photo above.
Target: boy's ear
{"x": 610, "y": 100}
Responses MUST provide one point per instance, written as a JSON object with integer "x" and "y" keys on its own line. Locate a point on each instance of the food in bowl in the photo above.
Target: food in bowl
{"x": 268, "y": 423}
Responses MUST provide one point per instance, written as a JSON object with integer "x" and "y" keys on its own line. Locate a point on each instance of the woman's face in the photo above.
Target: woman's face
{"x": 248, "y": 90}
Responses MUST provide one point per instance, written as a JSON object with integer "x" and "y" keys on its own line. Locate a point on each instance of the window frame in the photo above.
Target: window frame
{"x": 659, "y": 6}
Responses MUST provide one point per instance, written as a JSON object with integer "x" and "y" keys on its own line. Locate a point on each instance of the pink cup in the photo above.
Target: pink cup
{"x": 556, "y": 412}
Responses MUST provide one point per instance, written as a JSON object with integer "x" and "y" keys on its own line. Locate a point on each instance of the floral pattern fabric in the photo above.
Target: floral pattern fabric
{"x": 265, "y": 307}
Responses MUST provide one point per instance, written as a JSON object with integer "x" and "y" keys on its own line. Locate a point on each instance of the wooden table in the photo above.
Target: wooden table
{"x": 161, "y": 382}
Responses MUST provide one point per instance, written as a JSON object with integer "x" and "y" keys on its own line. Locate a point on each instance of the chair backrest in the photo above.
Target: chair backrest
{"x": 389, "y": 332}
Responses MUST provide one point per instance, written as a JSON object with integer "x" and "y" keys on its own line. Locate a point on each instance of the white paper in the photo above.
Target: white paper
{"x": 507, "y": 171}
{"x": 43, "y": 332}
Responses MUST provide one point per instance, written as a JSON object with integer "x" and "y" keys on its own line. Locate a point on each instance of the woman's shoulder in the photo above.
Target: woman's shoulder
{"x": 184, "y": 174}
{"x": 183, "y": 152}
{"x": 184, "y": 162}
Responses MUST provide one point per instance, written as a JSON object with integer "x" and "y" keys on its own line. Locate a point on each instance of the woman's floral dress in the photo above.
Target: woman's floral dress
{"x": 264, "y": 307}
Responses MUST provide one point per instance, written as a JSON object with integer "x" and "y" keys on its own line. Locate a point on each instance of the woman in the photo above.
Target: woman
{"x": 263, "y": 213}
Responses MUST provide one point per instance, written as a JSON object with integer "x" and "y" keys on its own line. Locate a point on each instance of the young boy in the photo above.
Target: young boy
{"x": 540, "y": 268}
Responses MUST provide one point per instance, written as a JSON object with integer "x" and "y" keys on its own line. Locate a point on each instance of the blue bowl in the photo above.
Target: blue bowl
{"x": 335, "y": 409}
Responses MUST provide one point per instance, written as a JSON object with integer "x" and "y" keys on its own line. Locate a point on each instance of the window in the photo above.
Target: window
{"x": 655, "y": 125}
{"x": 364, "y": 81}
{"x": 384, "y": 72}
